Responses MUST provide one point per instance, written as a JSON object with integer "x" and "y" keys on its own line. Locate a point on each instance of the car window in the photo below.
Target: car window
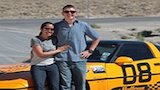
{"x": 158, "y": 46}
{"x": 135, "y": 51}
{"x": 103, "y": 53}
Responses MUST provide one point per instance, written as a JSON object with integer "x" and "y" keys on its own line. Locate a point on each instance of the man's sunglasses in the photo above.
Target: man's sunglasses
{"x": 69, "y": 11}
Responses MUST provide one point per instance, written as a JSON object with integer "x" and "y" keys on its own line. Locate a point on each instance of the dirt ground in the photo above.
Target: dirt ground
{"x": 37, "y": 9}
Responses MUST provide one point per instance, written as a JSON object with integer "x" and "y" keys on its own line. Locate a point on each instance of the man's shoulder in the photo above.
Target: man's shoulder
{"x": 58, "y": 22}
{"x": 81, "y": 22}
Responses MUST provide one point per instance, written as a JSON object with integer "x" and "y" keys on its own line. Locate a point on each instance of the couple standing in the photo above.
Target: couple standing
{"x": 59, "y": 51}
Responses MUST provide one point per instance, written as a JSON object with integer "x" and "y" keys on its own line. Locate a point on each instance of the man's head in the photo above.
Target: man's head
{"x": 69, "y": 12}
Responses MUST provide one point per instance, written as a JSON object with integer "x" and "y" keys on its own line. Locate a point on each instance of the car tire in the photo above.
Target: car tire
{"x": 87, "y": 86}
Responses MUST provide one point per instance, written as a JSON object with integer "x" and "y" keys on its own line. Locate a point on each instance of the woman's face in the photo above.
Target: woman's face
{"x": 47, "y": 30}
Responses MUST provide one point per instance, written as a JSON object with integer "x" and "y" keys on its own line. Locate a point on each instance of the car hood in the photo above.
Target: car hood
{"x": 15, "y": 76}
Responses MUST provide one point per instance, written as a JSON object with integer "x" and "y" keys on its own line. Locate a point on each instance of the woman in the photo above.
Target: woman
{"x": 42, "y": 62}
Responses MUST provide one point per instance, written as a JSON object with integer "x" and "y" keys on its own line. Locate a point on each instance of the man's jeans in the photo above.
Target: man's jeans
{"x": 72, "y": 71}
{"x": 41, "y": 73}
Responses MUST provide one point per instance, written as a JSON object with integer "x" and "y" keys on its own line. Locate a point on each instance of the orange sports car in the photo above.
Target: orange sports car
{"x": 114, "y": 65}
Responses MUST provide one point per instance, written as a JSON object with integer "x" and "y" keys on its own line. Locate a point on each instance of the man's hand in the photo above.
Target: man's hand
{"x": 85, "y": 54}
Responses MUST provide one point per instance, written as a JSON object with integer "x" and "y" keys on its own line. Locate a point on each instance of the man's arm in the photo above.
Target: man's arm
{"x": 94, "y": 44}
{"x": 87, "y": 53}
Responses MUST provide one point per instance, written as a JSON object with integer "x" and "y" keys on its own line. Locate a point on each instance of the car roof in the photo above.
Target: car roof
{"x": 118, "y": 42}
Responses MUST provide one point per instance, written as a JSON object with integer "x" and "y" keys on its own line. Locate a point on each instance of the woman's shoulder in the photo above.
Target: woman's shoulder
{"x": 35, "y": 38}
{"x": 35, "y": 41}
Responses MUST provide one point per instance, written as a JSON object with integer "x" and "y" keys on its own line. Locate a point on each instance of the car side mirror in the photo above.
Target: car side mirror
{"x": 123, "y": 59}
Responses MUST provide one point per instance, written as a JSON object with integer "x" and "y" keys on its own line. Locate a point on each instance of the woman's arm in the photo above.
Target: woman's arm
{"x": 40, "y": 53}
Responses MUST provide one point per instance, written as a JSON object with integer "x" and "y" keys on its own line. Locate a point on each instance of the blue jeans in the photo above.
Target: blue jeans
{"x": 41, "y": 73}
{"x": 72, "y": 71}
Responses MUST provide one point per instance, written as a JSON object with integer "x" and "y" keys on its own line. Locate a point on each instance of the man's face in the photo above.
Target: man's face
{"x": 69, "y": 13}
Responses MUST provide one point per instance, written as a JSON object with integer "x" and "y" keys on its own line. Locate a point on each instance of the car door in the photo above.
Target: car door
{"x": 96, "y": 67}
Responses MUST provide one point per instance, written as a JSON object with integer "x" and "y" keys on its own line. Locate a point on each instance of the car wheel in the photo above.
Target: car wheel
{"x": 87, "y": 86}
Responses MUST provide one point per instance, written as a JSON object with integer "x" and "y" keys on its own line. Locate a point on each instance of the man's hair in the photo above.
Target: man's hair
{"x": 68, "y": 6}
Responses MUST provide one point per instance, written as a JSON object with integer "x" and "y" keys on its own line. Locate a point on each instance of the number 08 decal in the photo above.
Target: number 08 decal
{"x": 144, "y": 73}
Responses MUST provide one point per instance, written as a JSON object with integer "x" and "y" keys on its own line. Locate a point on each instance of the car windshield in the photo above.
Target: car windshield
{"x": 103, "y": 53}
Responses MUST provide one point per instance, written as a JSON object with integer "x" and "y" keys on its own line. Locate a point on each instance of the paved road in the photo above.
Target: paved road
{"x": 15, "y": 35}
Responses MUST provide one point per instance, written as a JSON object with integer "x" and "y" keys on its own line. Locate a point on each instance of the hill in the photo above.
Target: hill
{"x": 36, "y": 9}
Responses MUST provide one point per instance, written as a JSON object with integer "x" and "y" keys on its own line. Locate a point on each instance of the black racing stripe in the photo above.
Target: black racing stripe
{"x": 121, "y": 77}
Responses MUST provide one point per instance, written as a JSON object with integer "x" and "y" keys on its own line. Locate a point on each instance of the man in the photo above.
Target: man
{"x": 72, "y": 63}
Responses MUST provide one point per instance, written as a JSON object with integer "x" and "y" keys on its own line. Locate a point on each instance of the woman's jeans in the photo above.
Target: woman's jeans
{"x": 41, "y": 74}
{"x": 72, "y": 71}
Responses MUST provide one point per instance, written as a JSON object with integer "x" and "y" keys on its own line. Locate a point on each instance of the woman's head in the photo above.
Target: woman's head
{"x": 47, "y": 29}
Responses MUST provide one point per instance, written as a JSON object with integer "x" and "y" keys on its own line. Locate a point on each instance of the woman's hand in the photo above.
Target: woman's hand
{"x": 63, "y": 48}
